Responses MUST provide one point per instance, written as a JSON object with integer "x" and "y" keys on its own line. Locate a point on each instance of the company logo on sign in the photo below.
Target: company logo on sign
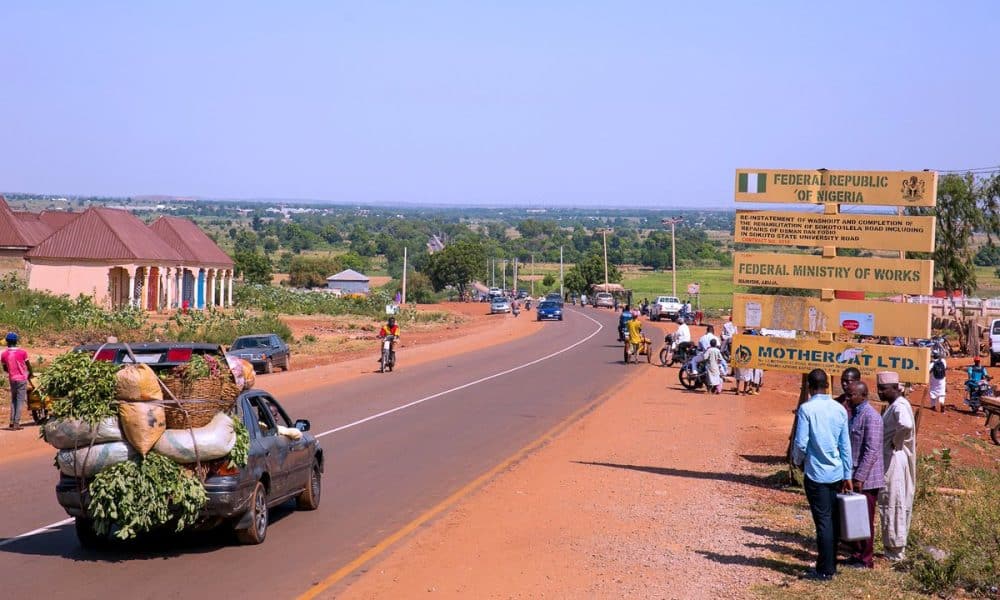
{"x": 851, "y": 325}
{"x": 742, "y": 356}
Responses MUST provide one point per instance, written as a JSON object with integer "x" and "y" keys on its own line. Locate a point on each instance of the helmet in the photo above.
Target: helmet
{"x": 11, "y": 338}
{"x": 392, "y": 320}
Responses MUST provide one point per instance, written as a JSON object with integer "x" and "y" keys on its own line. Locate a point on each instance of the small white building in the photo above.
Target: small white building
{"x": 348, "y": 281}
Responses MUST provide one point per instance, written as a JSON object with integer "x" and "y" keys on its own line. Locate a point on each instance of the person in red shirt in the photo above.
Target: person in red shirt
{"x": 18, "y": 369}
{"x": 392, "y": 329}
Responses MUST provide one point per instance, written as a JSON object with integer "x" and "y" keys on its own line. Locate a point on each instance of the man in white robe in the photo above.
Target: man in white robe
{"x": 899, "y": 452}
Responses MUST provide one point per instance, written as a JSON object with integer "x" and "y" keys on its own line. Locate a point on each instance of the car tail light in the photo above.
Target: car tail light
{"x": 179, "y": 354}
{"x": 107, "y": 354}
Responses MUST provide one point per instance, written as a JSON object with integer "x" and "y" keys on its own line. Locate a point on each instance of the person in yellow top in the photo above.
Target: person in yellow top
{"x": 634, "y": 338}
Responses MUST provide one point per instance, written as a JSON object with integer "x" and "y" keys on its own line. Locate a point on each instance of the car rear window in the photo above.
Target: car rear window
{"x": 249, "y": 343}
{"x": 996, "y": 328}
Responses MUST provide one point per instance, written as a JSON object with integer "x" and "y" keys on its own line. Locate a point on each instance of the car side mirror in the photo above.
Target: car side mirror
{"x": 302, "y": 424}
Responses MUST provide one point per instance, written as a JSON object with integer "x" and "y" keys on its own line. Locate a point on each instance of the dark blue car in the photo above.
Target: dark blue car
{"x": 549, "y": 310}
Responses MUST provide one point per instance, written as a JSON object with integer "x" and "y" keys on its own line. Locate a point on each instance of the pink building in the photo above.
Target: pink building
{"x": 116, "y": 259}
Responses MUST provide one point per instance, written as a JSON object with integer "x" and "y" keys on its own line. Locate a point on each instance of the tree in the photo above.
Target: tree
{"x": 256, "y": 267}
{"x": 588, "y": 271}
{"x": 964, "y": 206}
{"x": 246, "y": 242}
{"x": 457, "y": 265}
{"x": 312, "y": 271}
{"x": 549, "y": 280}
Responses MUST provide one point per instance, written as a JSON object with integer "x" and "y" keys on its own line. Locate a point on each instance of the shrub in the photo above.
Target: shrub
{"x": 216, "y": 327}
{"x": 291, "y": 302}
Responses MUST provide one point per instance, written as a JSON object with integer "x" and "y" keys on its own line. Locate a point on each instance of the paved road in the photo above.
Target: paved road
{"x": 381, "y": 473}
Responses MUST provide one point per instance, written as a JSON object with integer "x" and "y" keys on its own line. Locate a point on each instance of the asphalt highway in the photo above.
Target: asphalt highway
{"x": 396, "y": 445}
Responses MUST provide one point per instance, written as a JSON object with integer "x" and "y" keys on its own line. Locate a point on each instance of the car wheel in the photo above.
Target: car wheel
{"x": 257, "y": 531}
{"x": 89, "y": 538}
{"x": 288, "y": 363}
{"x": 560, "y": 317}
{"x": 309, "y": 498}
{"x": 269, "y": 366}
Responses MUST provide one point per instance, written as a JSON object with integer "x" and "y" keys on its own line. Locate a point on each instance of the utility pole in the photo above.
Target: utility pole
{"x": 561, "y": 292}
{"x": 404, "y": 275}
{"x": 673, "y": 249}
{"x": 605, "y": 232}
{"x": 532, "y": 274}
{"x": 503, "y": 273}
{"x": 493, "y": 277}
{"x": 515, "y": 277}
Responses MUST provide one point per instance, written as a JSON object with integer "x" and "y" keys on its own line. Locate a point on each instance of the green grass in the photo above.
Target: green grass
{"x": 988, "y": 282}
{"x": 716, "y": 285}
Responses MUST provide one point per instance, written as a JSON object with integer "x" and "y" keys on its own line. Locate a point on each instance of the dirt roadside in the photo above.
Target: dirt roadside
{"x": 658, "y": 493}
{"x": 476, "y": 329}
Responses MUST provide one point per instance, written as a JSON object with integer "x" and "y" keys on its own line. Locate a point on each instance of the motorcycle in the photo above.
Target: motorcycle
{"x": 388, "y": 360}
{"x": 938, "y": 343}
{"x": 974, "y": 393}
{"x": 674, "y": 352}
{"x": 527, "y": 304}
{"x": 685, "y": 317}
{"x": 692, "y": 379}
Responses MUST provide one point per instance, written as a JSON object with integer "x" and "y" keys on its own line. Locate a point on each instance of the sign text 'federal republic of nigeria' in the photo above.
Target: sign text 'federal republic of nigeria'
{"x": 804, "y": 355}
{"x": 884, "y": 188}
{"x": 868, "y": 232}
{"x": 900, "y": 276}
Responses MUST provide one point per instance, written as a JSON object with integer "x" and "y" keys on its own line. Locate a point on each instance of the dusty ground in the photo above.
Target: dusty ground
{"x": 658, "y": 493}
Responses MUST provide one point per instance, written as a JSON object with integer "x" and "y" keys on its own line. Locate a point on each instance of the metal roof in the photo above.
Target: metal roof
{"x": 16, "y": 231}
{"x": 190, "y": 241}
{"x": 106, "y": 234}
{"x": 57, "y": 219}
{"x": 347, "y": 275}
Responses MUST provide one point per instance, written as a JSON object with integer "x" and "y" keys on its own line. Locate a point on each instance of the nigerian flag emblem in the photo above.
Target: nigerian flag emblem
{"x": 753, "y": 183}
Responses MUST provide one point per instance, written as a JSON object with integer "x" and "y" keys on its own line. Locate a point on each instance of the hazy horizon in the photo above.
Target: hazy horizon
{"x": 455, "y": 104}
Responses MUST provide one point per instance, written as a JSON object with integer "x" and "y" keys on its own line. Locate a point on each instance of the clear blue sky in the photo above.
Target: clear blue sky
{"x": 568, "y": 103}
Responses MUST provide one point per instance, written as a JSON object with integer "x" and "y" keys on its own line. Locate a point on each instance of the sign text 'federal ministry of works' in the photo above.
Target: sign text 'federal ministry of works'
{"x": 897, "y": 276}
{"x": 868, "y": 232}
{"x": 804, "y": 355}
{"x": 882, "y": 188}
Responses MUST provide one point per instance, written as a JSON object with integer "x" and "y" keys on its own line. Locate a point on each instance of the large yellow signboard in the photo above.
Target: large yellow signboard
{"x": 806, "y": 271}
{"x": 804, "y": 355}
{"x": 869, "y": 232}
{"x": 884, "y": 188}
{"x": 857, "y": 317}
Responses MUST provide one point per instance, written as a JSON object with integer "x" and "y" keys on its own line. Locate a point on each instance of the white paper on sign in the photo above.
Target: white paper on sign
{"x": 753, "y": 314}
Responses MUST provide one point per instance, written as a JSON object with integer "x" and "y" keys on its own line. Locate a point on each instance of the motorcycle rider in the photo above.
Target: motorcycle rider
{"x": 704, "y": 343}
{"x": 623, "y": 321}
{"x": 976, "y": 373}
{"x": 634, "y": 338}
{"x": 390, "y": 328}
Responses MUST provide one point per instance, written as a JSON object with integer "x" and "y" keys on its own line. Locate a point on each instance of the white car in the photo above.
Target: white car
{"x": 665, "y": 306}
{"x": 995, "y": 343}
{"x": 604, "y": 300}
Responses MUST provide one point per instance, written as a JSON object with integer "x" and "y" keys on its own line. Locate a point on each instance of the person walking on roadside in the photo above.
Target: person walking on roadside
{"x": 938, "y": 387}
{"x": 865, "y": 426}
{"x": 822, "y": 445}
{"x": 728, "y": 331}
{"x": 18, "y": 368}
{"x": 847, "y": 379}
{"x": 899, "y": 455}
{"x": 714, "y": 369}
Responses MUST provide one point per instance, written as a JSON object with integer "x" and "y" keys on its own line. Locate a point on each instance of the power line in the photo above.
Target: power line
{"x": 977, "y": 170}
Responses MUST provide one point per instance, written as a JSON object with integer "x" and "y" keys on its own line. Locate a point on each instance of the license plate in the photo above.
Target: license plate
{"x": 143, "y": 358}
{"x": 386, "y": 344}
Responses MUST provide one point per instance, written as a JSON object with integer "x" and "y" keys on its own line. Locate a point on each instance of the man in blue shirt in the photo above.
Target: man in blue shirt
{"x": 823, "y": 448}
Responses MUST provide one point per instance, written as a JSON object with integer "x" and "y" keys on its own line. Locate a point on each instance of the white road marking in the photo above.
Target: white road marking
{"x": 470, "y": 384}
{"x": 373, "y": 417}
{"x": 36, "y": 531}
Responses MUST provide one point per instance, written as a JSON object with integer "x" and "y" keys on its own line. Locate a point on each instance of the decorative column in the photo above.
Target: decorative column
{"x": 131, "y": 287}
{"x": 144, "y": 294}
{"x": 222, "y": 288}
{"x": 209, "y": 288}
{"x": 167, "y": 276}
{"x": 230, "y": 299}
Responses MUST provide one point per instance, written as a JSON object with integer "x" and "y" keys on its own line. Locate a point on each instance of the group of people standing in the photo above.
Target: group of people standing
{"x": 845, "y": 446}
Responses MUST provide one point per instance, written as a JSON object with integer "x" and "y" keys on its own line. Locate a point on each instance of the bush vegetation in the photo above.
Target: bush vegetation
{"x": 292, "y": 302}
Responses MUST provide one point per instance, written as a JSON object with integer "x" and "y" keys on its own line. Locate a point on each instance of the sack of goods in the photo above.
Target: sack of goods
{"x": 110, "y": 426}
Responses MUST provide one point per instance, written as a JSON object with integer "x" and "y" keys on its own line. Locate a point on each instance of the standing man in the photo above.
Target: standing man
{"x": 18, "y": 369}
{"x": 713, "y": 357}
{"x": 899, "y": 454}
{"x": 847, "y": 379}
{"x": 728, "y": 331}
{"x": 823, "y": 447}
{"x": 866, "y": 454}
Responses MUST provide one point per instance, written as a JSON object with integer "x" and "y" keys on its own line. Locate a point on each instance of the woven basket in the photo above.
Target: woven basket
{"x": 206, "y": 387}
{"x": 193, "y": 412}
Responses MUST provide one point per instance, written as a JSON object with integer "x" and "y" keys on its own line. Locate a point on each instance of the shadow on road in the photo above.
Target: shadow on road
{"x": 765, "y": 459}
{"x": 781, "y": 566}
{"x": 61, "y": 541}
{"x": 770, "y": 482}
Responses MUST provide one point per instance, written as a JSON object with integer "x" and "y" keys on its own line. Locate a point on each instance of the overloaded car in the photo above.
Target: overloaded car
{"x": 158, "y": 355}
{"x": 284, "y": 462}
{"x": 264, "y": 351}
{"x": 548, "y": 310}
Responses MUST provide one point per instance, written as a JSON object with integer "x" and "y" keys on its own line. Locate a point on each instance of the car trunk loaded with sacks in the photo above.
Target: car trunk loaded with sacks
{"x": 135, "y": 449}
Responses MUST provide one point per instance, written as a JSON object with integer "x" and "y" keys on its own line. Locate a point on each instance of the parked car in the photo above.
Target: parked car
{"x": 554, "y": 297}
{"x": 264, "y": 351}
{"x": 604, "y": 299}
{"x": 548, "y": 310}
{"x": 995, "y": 342}
{"x": 665, "y": 306}
{"x": 278, "y": 468}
